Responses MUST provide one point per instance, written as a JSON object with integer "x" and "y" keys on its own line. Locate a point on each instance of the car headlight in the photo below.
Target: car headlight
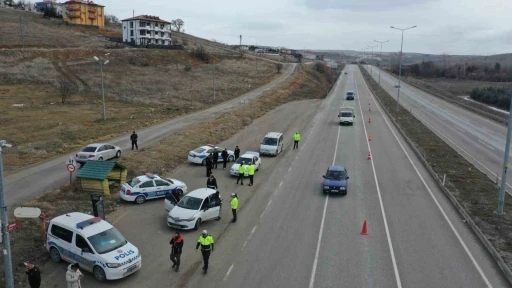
{"x": 113, "y": 265}
{"x": 326, "y": 187}
{"x": 190, "y": 219}
{"x": 342, "y": 188}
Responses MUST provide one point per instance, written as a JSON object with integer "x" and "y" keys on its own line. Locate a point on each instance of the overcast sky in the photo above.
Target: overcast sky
{"x": 482, "y": 27}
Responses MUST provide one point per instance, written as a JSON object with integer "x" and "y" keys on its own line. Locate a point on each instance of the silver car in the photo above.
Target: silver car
{"x": 97, "y": 151}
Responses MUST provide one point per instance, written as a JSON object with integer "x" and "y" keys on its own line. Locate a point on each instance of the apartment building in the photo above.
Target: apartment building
{"x": 145, "y": 29}
{"x": 83, "y": 13}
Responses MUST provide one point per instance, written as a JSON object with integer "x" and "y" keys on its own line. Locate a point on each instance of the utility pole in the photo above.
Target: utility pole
{"x": 380, "y": 58}
{"x": 9, "y": 280}
{"x": 371, "y": 56}
{"x": 501, "y": 195}
{"x": 240, "y": 42}
{"x": 102, "y": 63}
{"x": 214, "y": 68}
{"x": 400, "y": 69}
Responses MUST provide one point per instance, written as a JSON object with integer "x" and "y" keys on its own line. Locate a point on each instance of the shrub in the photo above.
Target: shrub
{"x": 497, "y": 97}
{"x": 187, "y": 68}
{"x": 200, "y": 53}
{"x": 279, "y": 66}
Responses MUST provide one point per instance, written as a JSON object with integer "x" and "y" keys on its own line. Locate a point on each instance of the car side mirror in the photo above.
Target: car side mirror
{"x": 348, "y": 177}
{"x": 323, "y": 176}
{"x": 86, "y": 250}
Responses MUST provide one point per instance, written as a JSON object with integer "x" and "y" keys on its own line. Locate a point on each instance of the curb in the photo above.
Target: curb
{"x": 494, "y": 253}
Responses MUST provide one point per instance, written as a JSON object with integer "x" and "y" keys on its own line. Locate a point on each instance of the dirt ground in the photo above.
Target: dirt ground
{"x": 473, "y": 189}
{"x": 168, "y": 154}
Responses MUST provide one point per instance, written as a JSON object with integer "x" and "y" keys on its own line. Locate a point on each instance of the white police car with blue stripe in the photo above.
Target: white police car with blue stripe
{"x": 150, "y": 186}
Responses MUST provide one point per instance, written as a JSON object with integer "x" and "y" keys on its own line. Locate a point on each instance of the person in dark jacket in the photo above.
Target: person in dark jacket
{"x": 176, "y": 249}
{"x": 208, "y": 164}
{"x": 34, "y": 276}
{"x": 215, "y": 158}
{"x": 217, "y": 197}
{"x": 225, "y": 156}
{"x": 237, "y": 152}
{"x": 212, "y": 182}
{"x": 134, "y": 138}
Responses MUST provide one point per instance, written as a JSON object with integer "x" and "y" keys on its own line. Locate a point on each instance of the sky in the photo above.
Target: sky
{"x": 461, "y": 27}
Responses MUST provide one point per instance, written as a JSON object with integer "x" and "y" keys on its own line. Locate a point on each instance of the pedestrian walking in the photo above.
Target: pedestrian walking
{"x": 176, "y": 249}
{"x": 224, "y": 156}
{"x": 296, "y": 139}
{"x": 217, "y": 197}
{"x": 73, "y": 276}
{"x": 34, "y": 275}
{"x": 207, "y": 245}
{"x": 251, "y": 169}
{"x": 215, "y": 159}
{"x": 234, "y": 206}
{"x": 212, "y": 182}
{"x": 241, "y": 171}
{"x": 134, "y": 138}
{"x": 208, "y": 164}
{"x": 237, "y": 153}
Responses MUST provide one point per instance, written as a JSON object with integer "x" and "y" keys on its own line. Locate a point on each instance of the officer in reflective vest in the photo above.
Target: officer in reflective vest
{"x": 296, "y": 139}
{"x": 241, "y": 170}
{"x": 206, "y": 243}
{"x": 234, "y": 206}
{"x": 251, "y": 169}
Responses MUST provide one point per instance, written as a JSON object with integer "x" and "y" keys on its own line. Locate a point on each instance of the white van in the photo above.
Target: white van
{"x": 346, "y": 115}
{"x": 93, "y": 243}
{"x": 272, "y": 144}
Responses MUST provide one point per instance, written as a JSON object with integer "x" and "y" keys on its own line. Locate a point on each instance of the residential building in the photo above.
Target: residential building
{"x": 40, "y": 6}
{"x": 145, "y": 29}
{"x": 84, "y": 13}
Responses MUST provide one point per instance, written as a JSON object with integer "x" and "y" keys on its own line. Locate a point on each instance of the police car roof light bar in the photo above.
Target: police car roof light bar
{"x": 211, "y": 145}
{"x": 83, "y": 224}
{"x": 149, "y": 175}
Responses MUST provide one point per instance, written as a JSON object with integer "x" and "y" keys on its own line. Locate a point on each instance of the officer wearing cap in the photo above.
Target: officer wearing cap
{"x": 241, "y": 173}
{"x": 234, "y": 205}
{"x": 207, "y": 245}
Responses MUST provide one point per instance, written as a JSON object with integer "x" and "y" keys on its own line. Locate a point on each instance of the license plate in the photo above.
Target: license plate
{"x": 335, "y": 191}
{"x": 83, "y": 157}
{"x": 131, "y": 269}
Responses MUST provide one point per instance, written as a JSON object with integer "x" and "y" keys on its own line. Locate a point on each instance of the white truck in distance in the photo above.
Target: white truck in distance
{"x": 346, "y": 115}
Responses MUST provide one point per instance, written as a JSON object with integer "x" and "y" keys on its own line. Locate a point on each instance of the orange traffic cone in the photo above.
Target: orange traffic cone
{"x": 369, "y": 156}
{"x": 365, "y": 229}
{"x": 369, "y": 120}
{"x": 369, "y": 109}
{"x": 370, "y": 137}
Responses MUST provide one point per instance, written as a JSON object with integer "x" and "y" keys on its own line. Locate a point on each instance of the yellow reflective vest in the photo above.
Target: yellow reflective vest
{"x": 234, "y": 203}
{"x": 205, "y": 242}
{"x": 296, "y": 137}
{"x": 252, "y": 167}
{"x": 246, "y": 170}
{"x": 241, "y": 169}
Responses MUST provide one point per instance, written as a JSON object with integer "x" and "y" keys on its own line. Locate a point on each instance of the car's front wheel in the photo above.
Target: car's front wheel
{"x": 99, "y": 273}
{"x": 140, "y": 199}
{"x": 231, "y": 158}
{"x": 204, "y": 162}
{"x": 100, "y": 159}
{"x": 55, "y": 255}
{"x": 118, "y": 154}
{"x": 198, "y": 223}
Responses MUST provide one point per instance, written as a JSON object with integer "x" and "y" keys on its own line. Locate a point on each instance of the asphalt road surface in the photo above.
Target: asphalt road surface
{"x": 480, "y": 140}
{"x": 53, "y": 173}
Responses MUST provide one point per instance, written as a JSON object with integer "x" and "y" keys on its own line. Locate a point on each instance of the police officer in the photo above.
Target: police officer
{"x": 251, "y": 169}
{"x": 234, "y": 206}
{"x": 212, "y": 182}
{"x": 296, "y": 139}
{"x": 225, "y": 156}
{"x": 208, "y": 163}
{"x": 237, "y": 153}
{"x": 134, "y": 138}
{"x": 207, "y": 245}
{"x": 176, "y": 249}
{"x": 219, "y": 199}
{"x": 241, "y": 171}
{"x": 215, "y": 159}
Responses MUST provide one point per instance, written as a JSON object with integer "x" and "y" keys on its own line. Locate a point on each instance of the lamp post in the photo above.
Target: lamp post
{"x": 9, "y": 280}
{"x": 371, "y": 55}
{"x": 380, "y": 57}
{"x": 400, "y": 69}
{"x": 501, "y": 195}
{"x": 102, "y": 63}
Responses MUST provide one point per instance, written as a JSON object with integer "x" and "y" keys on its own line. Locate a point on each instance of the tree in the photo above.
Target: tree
{"x": 111, "y": 19}
{"x": 279, "y": 66}
{"x": 497, "y": 67}
{"x": 65, "y": 89}
{"x": 177, "y": 24}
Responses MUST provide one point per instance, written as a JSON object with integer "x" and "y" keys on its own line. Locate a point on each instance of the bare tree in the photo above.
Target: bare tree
{"x": 65, "y": 89}
{"x": 177, "y": 24}
{"x": 111, "y": 19}
{"x": 279, "y": 66}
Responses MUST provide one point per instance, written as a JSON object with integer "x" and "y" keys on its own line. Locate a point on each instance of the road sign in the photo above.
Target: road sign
{"x": 27, "y": 212}
{"x": 71, "y": 160}
{"x": 13, "y": 226}
{"x": 71, "y": 168}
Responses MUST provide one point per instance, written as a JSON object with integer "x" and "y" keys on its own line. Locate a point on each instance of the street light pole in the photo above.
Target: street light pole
{"x": 501, "y": 195}
{"x": 9, "y": 280}
{"x": 400, "y": 69}
{"x": 371, "y": 55}
{"x": 102, "y": 63}
{"x": 380, "y": 58}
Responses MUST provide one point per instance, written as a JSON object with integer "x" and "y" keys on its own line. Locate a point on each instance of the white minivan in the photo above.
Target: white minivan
{"x": 93, "y": 243}
{"x": 272, "y": 144}
{"x": 193, "y": 209}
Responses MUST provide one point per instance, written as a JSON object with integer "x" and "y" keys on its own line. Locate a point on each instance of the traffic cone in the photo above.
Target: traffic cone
{"x": 370, "y": 137}
{"x": 369, "y": 156}
{"x": 369, "y": 120}
{"x": 365, "y": 229}
{"x": 369, "y": 108}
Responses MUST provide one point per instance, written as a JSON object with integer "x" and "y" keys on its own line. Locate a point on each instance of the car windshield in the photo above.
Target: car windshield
{"x": 350, "y": 93}
{"x": 107, "y": 241}
{"x": 245, "y": 160}
{"x": 89, "y": 149}
{"x": 134, "y": 182}
{"x": 270, "y": 141}
{"x": 190, "y": 203}
{"x": 346, "y": 114}
{"x": 335, "y": 175}
{"x": 199, "y": 150}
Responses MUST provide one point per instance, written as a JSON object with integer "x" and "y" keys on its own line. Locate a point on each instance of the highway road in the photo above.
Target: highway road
{"x": 480, "y": 140}
{"x": 31, "y": 182}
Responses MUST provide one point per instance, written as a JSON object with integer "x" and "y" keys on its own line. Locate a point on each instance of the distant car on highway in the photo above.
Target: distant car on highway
{"x": 149, "y": 186}
{"x": 97, "y": 151}
{"x": 397, "y": 85}
{"x": 198, "y": 155}
{"x": 335, "y": 180}
{"x": 350, "y": 95}
{"x": 249, "y": 157}
{"x": 195, "y": 208}
{"x": 345, "y": 72}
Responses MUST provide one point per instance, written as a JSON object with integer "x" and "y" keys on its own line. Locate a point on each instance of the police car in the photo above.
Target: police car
{"x": 198, "y": 155}
{"x": 93, "y": 243}
{"x": 150, "y": 186}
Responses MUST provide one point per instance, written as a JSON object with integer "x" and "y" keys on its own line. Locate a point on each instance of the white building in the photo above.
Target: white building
{"x": 146, "y": 29}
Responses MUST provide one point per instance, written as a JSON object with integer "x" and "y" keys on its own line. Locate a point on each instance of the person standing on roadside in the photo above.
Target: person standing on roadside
{"x": 207, "y": 245}
{"x": 296, "y": 139}
{"x": 34, "y": 275}
{"x": 73, "y": 276}
{"x": 212, "y": 182}
{"x": 176, "y": 249}
{"x": 217, "y": 197}
{"x": 224, "y": 156}
{"x": 234, "y": 206}
{"x": 134, "y": 138}
{"x": 208, "y": 164}
{"x": 237, "y": 153}
{"x": 251, "y": 169}
{"x": 241, "y": 171}
{"x": 215, "y": 159}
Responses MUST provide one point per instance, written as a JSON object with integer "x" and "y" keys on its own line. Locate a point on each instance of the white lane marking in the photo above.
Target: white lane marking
{"x": 291, "y": 166}
{"x": 433, "y": 197}
{"x": 263, "y": 214}
{"x": 269, "y": 203}
{"x": 487, "y": 130}
{"x": 249, "y": 238}
{"x": 280, "y": 185}
{"x": 464, "y": 118}
{"x": 243, "y": 247}
{"x": 229, "y": 272}
{"x": 442, "y": 118}
{"x": 461, "y": 130}
{"x": 489, "y": 146}
{"x": 388, "y": 236}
